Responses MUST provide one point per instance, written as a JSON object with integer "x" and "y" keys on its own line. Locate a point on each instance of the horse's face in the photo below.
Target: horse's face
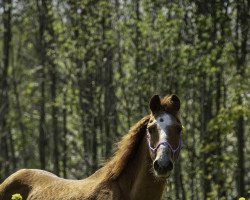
{"x": 164, "y": 135}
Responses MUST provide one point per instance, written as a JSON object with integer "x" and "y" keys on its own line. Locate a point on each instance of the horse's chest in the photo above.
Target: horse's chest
{"x": 108, "y": 194}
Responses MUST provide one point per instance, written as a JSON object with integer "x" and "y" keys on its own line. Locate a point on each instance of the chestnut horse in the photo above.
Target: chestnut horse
{"x": 138, "y": 170}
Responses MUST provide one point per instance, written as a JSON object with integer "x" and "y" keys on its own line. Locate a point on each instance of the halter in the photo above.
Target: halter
{"x": 166, "y": 144}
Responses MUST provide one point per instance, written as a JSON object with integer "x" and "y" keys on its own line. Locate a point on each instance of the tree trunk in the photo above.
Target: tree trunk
{"x": 110, "y": 124}
{"x": 41, "y": 50}
{"x": 53, "y": 84}
{"x": 242, "y": 30}
{"x": 177, "y": 180}
{"x": 183, "y": 190}
{"x": 206, "y": 115}
{"x": 12, "y": 151}
{"x": 53, "y": 88}
{"x": 5, "y": 134}
{"x": 19, "y": 114}
{"x": 138, "y": 62}
{"x": 65, "y": 133}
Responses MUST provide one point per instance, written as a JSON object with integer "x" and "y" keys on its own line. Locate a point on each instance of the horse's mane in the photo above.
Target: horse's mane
{"x": 129, "y": 144}
{"x": 127, "y": 147}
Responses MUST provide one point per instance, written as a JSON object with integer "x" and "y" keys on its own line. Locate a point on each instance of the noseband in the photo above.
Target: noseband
{"x": 166, "y": 144}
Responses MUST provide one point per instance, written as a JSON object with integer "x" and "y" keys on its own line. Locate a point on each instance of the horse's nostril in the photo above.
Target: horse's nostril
{"x": 162, "y": 167}
{"x": 156, "y": 165}
{"x": 170, "y": 166}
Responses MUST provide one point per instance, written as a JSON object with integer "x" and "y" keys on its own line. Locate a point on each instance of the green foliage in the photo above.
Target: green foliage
{"x": 109, "y": 58}
{"x": 16, "y": 197}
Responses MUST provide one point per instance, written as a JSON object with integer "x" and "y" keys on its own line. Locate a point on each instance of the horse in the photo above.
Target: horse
{"x": 138, "y": 170}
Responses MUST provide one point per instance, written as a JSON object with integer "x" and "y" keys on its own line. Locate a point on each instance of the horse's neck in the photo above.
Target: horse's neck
{"x": 138, "y": 181}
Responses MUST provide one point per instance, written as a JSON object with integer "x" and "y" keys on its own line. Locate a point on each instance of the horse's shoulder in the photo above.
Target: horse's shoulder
{"x": 109, "y": 191}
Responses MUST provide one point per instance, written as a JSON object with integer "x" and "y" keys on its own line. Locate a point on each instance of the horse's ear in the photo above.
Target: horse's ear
{"x": 175, "y": 102}
{"x": 155, "y": 104}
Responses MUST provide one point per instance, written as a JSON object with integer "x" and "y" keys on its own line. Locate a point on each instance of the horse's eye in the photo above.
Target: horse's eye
{"x": 161, "y": 120}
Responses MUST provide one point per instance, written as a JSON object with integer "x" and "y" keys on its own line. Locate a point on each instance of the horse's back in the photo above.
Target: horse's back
{"x": 40, "y": 185}
{"x": 21, "y": 182}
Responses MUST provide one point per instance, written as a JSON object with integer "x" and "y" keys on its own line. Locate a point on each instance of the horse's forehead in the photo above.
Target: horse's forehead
{"x": 164, "y": 119}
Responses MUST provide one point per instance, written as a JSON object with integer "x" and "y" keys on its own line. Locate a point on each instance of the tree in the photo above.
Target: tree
{"x": 41, "y": 50}
{"x": 5, "y": 137}
{"x": 241, "y": 38}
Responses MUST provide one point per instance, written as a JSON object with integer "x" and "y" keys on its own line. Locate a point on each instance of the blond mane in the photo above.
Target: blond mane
{"x": 127, "y": 147}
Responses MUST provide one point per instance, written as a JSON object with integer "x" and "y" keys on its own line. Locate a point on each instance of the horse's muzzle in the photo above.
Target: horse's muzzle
{"x": 162, "y": 168}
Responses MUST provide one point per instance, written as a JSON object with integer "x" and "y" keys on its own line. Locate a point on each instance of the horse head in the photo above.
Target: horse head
{"x": 164, "y": 134}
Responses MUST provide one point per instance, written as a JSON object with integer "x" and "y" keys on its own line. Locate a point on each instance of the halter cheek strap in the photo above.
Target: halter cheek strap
{"x": 166, "y": 144}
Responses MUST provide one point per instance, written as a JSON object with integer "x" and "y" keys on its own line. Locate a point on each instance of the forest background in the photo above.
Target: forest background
{"x": 76, "y": 75}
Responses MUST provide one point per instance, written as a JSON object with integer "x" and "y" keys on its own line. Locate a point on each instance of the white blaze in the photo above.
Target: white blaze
{"x": 163, "y": 121}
